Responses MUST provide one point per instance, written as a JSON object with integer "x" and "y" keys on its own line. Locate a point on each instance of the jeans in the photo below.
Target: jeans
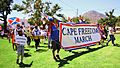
{"x": 112, "y": 38}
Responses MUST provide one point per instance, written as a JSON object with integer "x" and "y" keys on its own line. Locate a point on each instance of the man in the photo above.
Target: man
{"x": 111, "y": 35}
{"x": 28, "y": 34}
{"x": 36, "y": 34}
{"x": 54, "y": 35}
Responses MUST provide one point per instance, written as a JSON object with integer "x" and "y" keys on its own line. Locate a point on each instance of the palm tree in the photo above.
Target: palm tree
{"x": 111, "y": 18}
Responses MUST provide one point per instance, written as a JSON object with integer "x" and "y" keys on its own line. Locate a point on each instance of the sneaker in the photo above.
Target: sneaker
{"x": 17, "y": 61}
{"x": 113, "y": 44}
{"x": 58, "y": 57}
{"x": 21, "y": 64}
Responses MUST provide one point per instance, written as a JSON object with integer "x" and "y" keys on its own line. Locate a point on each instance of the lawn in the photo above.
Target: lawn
{"x": 96, "y": 57}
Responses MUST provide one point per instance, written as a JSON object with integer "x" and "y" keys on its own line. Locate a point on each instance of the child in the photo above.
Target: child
{"x": 20, "y": 48}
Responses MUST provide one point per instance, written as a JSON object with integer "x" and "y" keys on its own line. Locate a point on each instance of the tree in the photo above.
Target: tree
{"x": 35, "y": 7}
{"x": 110, "y": 20}
{"x": 63, "y": 18}
{"x": 118, "y": 21}
{"x": 5, "y": 9}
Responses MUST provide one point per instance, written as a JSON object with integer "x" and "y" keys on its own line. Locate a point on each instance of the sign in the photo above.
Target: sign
{"x": 37, "y": 37}
{"x": 21, "y": 40}
{"x": 78, "y": 35}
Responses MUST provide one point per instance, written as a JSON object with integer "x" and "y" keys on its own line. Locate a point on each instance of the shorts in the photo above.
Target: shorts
{"x": 20, "y": 50}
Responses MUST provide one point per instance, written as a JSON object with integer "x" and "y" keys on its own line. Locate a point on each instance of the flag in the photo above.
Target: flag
{"x": 13, "y": 20}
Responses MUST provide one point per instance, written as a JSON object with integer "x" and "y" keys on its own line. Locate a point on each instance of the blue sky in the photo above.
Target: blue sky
{"x": 69, "y": 7}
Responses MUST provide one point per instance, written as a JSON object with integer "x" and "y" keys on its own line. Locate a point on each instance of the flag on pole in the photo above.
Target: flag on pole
{"x": 13, "y": 21}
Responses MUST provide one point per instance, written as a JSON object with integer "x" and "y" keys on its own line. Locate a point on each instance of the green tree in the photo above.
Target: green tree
{"x": 35, "y": 7}
{"x": 110, "y": 20}
{"x": 118, "y": 21}
{"x": 63, "y": 18}
{"x": 5, "y": 9}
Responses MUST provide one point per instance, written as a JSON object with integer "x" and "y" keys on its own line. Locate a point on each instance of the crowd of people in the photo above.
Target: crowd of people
{"x": 48, "y": 31}
{"x": 105, "y": 31}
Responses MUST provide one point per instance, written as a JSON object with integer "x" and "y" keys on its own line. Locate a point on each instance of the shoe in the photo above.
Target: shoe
{"x": 17, "y": 61}
{"x": 58, "y": 57}
{"x": 113, "y": 44}
{"x": 70, "y": 50}
{"x": 21, "y": 63}
{"x": 106, "y": 44}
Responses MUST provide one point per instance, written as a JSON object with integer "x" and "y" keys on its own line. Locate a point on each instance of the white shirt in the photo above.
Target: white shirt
{"x": 36, "y": 32}
{"x": 111, "y": 31}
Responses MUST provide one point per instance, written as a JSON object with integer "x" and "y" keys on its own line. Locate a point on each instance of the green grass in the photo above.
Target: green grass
{"x": 97, "y": 57}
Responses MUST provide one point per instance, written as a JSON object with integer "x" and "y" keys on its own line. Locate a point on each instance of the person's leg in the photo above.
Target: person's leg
{"x": 53, "y": 50}
{"x": 13, "y": 46}
{"x": 22, "y": 53}
{"x": 58, "y": 48}
{"x": 18, "y": 54}
{"x": 2, "y": 36}
{"x": 29, "y": 40}
{"x": 38, "y": 42}
{"x": 9, "y": 39}
{"x": 109, "y": 40}
{"x": 49, "y": 40}
{"x": 17, "y": 61}
{"x": 113, "y": 40}
{"x": 35, "y": 44}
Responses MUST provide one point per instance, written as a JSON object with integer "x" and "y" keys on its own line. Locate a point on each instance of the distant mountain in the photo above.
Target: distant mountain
{"x": 93, "y": 16}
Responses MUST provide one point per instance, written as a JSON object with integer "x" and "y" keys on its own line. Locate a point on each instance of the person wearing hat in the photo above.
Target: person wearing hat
{"x": 50, "y": 23}
{"x": 54, "y": 36}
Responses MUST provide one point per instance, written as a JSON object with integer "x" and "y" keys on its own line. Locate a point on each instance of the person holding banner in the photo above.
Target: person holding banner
{"x": 20, "y": 41}
{"x": 36, "y": 34}
{"x": 54, "y": 34}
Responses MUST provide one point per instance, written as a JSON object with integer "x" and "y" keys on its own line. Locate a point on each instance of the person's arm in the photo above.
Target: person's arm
{"x": 49, "y": 29}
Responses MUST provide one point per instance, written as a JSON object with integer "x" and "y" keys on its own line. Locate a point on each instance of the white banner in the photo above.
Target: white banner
{"x": 78, "y": 35}
{"x": 21, "y": 40}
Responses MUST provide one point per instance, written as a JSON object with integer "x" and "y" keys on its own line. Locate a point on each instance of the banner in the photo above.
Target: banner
{"x": 78, "y": 35}
{"x": 37, "y": 37}
{"x": 21, "y": 40}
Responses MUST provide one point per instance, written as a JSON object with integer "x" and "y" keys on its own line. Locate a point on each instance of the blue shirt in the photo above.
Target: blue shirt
{"x": 54, "y": 33}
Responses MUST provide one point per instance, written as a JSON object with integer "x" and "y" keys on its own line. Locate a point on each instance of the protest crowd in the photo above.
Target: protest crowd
{"x": 49, "y": 31}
